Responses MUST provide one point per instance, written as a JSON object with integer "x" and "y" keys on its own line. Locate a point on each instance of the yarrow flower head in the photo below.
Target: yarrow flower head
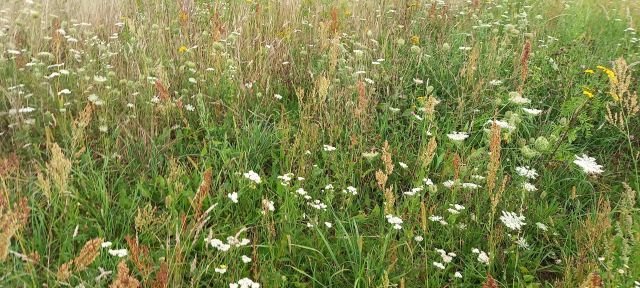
{"x": 118, "y": 252}
{"x": 439, "y": 219}
{"x": 328, "y": 148}
{"x": 527, "y": 172}
{"x": 413, "y": 191}
{"x": 483, "y": 257}
{"x": 233, "y": 197}
{"x": 588, "y": 164}
{"x": 350, "y": 190}
{"x": 446, "y": 257}
{"x": 219, "y": 245}
{"x": 244, "y": 283}
{"x": 529, "y": 187}
{"x": 253, "y": 176}
{"x": 285, "y": 179}
{"x": 395, "y": 221}
{"x": 512, "y": 220}
{"x": 221, "y": 269}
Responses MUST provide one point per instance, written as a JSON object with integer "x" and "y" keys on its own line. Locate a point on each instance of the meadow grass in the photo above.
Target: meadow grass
{"x": 323, "y": 143}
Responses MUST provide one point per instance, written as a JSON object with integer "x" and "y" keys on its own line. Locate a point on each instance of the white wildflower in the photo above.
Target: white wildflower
{"x": 221, "y": 269}
{"x": 448, "y": 183}
{"x": 233, "y": 196}
{"x": 516, "y": 98}
{"x": 588, "y": 164}
{"x": 219, "y": 245}
{"x": 526, "y": 171}
{"x": 522, "y": 243}
{"x": 118, "y": 252}
{"x": 512, "y": 220}
{"x": 502, "y": 124}
{"x": 532, "y": 111}
{"x": 458, "y": 136}
{"x": 350, "y": 190}
{"x": 413, "y": 191}
{"x": 253, "y": 176}
{"x": 529, "y": 187}
{"x": 471, "y": 186}
{"x": 328, "y": 148}
{"x": 395, "y": 221}
{"x": 541, "y": 226}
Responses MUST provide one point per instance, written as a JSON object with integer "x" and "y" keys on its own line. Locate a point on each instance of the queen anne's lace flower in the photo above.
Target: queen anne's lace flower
{"x": 502, "y": 124}
{"x": 588, "y": 164}
{"x": 512, "y": 220}
{"x": 458, "y": 136}
{"x": 532, "y": 111}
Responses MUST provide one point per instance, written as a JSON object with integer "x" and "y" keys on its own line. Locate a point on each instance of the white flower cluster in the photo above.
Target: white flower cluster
{"x": 458, "y": 136}
{"x": 395, "y": 221}
{"x": 527, "y": 172}
{"x": 447, "y": 257}
{"x": 588, "y": 164}
{"x": 253, "y": 176}
{"x": 413, "y": 191}
{"x": 350, "y": 190}
{"x": 512, "y": 220}
{"x": 232, "y": 241}
{"x": 244, "y": 283}
{"x": 483, "y": 257}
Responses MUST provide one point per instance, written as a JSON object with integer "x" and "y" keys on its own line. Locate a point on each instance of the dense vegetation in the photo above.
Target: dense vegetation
{"x": 319, "y": 143}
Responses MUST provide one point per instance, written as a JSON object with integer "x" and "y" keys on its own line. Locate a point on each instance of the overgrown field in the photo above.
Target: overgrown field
{"x": 300, "y": 143}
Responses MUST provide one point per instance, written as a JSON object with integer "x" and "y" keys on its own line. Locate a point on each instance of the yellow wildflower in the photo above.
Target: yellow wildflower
{"x": 589, "y": 71}
{"x": 183, "y": 17}
{"x": 415, "y": 40}
{"x": 587, "y": 92}
{"x": 182, "y": 49}
{"x": 610, "y": 74}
